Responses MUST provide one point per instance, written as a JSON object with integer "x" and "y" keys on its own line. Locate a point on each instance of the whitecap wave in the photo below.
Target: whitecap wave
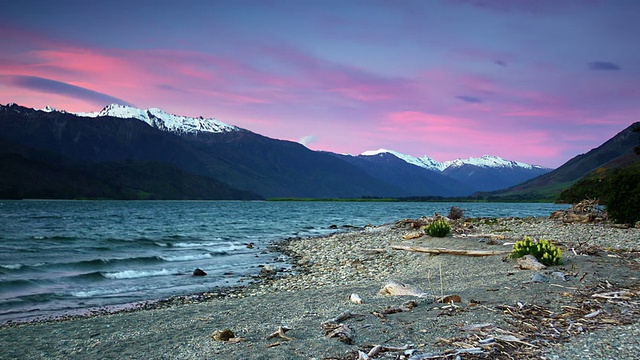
{"x": 94, "y": 293}
{"x": 132, "y": 274}
{"x": 12, "y": 266}
{"x": 186, "y": 257}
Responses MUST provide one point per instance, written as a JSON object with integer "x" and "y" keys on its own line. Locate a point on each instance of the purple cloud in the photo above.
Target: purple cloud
{"x": 61, "y": 88}
{"x": 470, "y": 99}
{"x": 603, "y": 66}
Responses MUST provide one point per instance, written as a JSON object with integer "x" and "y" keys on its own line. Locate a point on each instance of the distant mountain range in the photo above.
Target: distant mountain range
{"x": 124, "y": 152}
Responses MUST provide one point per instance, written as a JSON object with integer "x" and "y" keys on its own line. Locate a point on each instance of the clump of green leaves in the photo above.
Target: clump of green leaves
{"x": 438, "y": 228}
{"x": 543, "y": 250}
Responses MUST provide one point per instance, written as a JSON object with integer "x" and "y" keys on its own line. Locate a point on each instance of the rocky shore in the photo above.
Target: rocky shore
{"x": 327, "y": 303}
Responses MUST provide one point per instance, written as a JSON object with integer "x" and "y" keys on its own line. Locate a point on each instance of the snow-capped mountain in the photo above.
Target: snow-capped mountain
{"x": 162, "y": 120}
{"x": 486, "y": 173}
{"x": 423, "y": 161}
{"x": 485, "y": 161}
{"x": 489, "y": 161}
{"x": 123, "y": 136}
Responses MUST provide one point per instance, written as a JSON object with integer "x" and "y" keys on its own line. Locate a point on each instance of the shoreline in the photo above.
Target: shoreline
{"x": 328, "y": 269}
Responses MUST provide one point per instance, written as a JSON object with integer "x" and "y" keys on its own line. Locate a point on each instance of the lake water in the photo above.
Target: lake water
{"x": 59, "y": 257}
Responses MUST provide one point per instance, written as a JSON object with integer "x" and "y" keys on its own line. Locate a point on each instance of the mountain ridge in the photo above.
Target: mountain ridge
{"x": 245, "y": 160}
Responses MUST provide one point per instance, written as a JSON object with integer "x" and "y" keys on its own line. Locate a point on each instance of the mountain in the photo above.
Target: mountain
{"x": 617, "y": 152}
{"x": 414, "y": 180}
{"x": 128, "y": 144}
{"x": 233, "y": 156}
{"x": 466, "y": 176}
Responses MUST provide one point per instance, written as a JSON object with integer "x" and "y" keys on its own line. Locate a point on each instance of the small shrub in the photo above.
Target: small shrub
{"x": 543, "y": 250}
{"x": 438, "y": 228}
{"x": 456, "y": 213}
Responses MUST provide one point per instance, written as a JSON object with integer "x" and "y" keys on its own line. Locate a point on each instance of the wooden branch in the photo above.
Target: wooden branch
{"x": 437, "y": 251}
{"x": 488, "y": 236}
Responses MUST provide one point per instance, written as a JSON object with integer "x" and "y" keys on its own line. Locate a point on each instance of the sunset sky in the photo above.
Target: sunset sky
{"x": 534, "y": 81}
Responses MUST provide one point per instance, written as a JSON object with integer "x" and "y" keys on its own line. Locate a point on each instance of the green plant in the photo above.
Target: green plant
{"x": 543, "y": 250}
{"x": 438, "y": 228}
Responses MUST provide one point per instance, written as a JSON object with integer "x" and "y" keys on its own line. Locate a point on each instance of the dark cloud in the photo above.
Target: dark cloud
{"x": 469, "y": 99}
{"x": 501, "y": 63}
{"x": 61, "y": 88}
{"x": 603, "y": 66}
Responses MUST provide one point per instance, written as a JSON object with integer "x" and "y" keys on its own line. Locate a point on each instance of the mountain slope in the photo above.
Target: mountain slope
{"x": 33, "y": 174}
{"x": 617, "y": 151}
{"x": 272, "y": 168}
{"x": 412, "y": 179}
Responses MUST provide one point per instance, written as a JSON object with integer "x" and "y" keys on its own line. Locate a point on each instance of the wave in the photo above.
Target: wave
{"x": 100, "y": 292}
{"x": 187, "y": 257}
{"x": 102, "y": 261}
{"x": 99, "y": 263}
{"x": 19, "y": 268}
{"x": 214, "y": 247}
{"x": 54, "y": 237}
{"x": 19, "y": 283}
{"x": 133, "y": 274}
{"x": 12, "y": 266}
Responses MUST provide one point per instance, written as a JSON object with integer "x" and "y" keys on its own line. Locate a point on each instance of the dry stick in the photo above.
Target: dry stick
{"x": 437, "y": 251}
{"x": 430, "y": 285}
{"x": 441, "y": 282}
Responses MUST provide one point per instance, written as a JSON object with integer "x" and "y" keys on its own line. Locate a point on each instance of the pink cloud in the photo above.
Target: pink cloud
{"x": 464, "y": 137}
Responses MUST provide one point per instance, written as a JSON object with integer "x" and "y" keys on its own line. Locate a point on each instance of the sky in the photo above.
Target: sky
{"x": 533, "y": 81}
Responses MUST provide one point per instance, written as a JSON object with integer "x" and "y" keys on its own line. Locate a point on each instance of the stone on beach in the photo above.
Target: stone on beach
{"x": 199, "y": 272}
{"x": 529, "y": 262}
{"x": 397, "y": 288}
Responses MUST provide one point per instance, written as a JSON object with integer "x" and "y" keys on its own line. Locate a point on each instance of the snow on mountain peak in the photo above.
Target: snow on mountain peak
{"x": 164, "y": 121}
{"x": 423, "y": 162}
{"x": 486, "y": 161}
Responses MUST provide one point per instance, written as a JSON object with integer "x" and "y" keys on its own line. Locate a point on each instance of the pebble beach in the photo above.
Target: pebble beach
{"x": 305, "y": 309}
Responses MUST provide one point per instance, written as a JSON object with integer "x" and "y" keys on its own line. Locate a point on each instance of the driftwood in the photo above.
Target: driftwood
{"x": 341, "y": 331}
{"x": 585, "y": 211}
{"x": 411, "y": 236}
{"x": 334, "y": 328}
{"x": 438, "y": 251}
{"x": 488, "y": 236}
{"x": 280, "y": 333}
{"x": 407, "y": 306}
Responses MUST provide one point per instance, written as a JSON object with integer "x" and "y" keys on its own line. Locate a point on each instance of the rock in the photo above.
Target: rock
{"x": 223, "y": 335}
{"x": 268, "y": 270}
{"x": 355, "y": 298}
{"x": 539, "y": 278}
{"x": 397, "y": 288}
{"x": 638, "y": 225}
{"x": 529, "y": 262}
{"x": 199, "y": 272}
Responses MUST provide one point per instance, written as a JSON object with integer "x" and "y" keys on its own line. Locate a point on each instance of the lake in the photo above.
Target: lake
{"x": 59, "y": 257}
